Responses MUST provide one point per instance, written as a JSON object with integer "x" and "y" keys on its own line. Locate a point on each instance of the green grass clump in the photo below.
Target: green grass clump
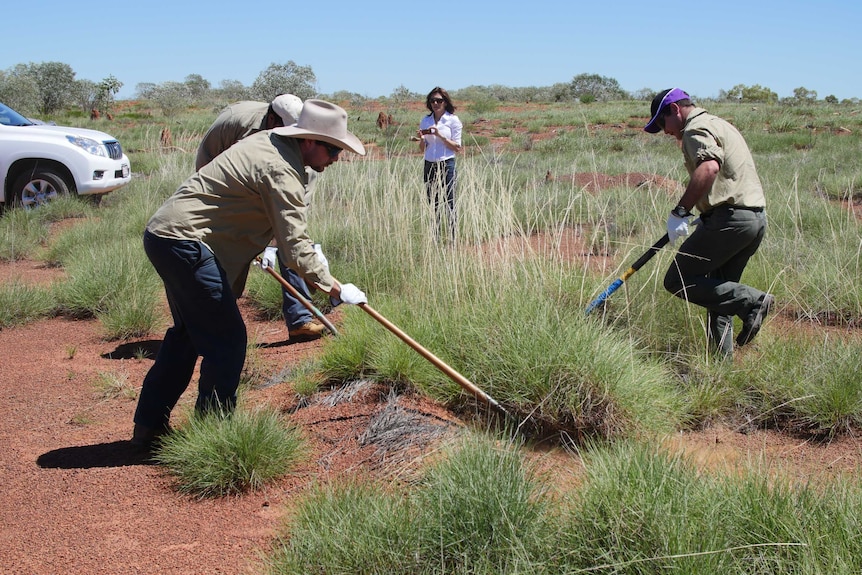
{"x": 523, "y": 349}
{"x": 803, "y": 383}
{"x": 356, "y": 527}
{"x": 642, "y": 510}
{"x": 114, "y": 282}
{"x": 215, "y": 455}
{"x": 67, "y": 207}
{"x": 21, "y": 234}
{"x": 478, "y": 510}
{"x": 24, "y": 232}
{"x": 264, "y": 293}
{"x": 20, "y": 304}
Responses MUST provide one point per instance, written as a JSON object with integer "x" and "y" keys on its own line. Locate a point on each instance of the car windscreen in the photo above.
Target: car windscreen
{"x": 9, "y": 117}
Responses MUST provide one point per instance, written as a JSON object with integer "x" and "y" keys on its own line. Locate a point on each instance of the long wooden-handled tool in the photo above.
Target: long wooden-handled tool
{"x": 438, "y": 363}
{"x": 635, "y": 267}
{"x": 295, "y": 293}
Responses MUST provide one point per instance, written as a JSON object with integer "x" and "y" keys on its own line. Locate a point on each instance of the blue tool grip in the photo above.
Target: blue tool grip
{"x": 605, "y": 294}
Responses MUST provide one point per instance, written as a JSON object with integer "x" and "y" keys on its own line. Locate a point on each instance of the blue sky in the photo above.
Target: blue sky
{"x": 372, "y": 48}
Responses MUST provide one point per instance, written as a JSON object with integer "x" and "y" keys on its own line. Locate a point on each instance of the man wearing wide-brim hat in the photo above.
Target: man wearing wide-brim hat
{"x": 203, "y": 239}
{"x": 726, "y": 191}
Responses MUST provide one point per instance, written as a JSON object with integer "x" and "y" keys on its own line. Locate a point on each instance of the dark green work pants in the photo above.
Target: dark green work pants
{"x": 709, "y": 264}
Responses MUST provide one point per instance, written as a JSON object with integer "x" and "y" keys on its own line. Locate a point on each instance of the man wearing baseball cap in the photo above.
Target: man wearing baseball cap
{"x": 239, "y": 121}
{"x": 726, "y": 191}
{"x": 202, "y": 241}
{"x": 242, "y": 119}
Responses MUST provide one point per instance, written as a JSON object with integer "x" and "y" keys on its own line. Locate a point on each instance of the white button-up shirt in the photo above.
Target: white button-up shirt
{"x": 449, "y": 127}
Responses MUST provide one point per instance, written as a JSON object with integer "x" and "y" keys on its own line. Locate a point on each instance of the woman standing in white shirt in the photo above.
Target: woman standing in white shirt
{"x": 440, "y": 139}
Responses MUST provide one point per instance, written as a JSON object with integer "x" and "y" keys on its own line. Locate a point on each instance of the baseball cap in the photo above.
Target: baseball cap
{"x": 288, "y": 107}
{"x": 661, "y": 100}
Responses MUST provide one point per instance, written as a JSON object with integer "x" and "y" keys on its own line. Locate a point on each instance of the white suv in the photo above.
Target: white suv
{"x": 39, "y": 162}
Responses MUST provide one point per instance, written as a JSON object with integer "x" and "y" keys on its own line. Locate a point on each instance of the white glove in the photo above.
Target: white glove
{"x": 269, "y": 258}
{"x": 319, "y": 251}
{"x": 677, "y": 227}
{"x": 351, "y": 294}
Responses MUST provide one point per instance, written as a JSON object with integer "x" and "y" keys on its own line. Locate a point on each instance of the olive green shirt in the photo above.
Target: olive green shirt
{"x": 237, "y": 203}
{"x": 708, "y": 137}
{"x": 236, "y": 122}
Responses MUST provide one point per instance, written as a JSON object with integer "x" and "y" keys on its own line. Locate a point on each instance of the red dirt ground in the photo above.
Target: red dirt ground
{"x": 77, "y": 499}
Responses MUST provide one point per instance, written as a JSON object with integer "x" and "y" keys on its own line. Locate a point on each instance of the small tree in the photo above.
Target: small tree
{"x": 146, "y": 90}
{"x": 356, "y": 99}
{"x": 105, "y": 91}
{"x": 401, "y": 95}
{"x": 644, "y": 94}
{"x": 84, "y": 94}
{"x": 758, "y": 93}
{"x": 18, "y": 89}
{"x": 232, "y": 91}
{"x": 171, "y": 97}
{"x": 560, "y": 92}
{"x": 288, "y": 78}
{"x": 601, "y": 88}
{"x": 54, "y": 81}
{"x": 743, "y": 93}
{"x": 197, "y": 87}
{"x": 804, "y": 95}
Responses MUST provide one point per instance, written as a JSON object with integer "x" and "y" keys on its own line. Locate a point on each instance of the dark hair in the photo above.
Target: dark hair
{"x": 444, "y": 94}
{"x": 272, "y": 119}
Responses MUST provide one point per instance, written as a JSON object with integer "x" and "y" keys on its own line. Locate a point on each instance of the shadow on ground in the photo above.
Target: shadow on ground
{"x": 113, "y": 454}
{"x": 146, "y": 349}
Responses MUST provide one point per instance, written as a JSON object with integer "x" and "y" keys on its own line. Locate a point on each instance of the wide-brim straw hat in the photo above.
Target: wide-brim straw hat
{"x": 324, "y": 121}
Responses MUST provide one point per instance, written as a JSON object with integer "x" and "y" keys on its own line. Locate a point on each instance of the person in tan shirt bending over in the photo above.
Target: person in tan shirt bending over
{"x": 202, "y": 241}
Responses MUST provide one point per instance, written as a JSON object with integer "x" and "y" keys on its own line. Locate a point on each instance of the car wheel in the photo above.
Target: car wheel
{"x": 38, "y": 187}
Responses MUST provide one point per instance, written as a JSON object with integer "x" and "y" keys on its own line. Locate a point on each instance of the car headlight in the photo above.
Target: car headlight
{"x": 88, "y": 145}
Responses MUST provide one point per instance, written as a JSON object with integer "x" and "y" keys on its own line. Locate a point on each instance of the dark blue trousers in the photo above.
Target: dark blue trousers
{"x": 440, "y": 179}
{"x": 295, "y": 314}
{"x": 207, "y": 324}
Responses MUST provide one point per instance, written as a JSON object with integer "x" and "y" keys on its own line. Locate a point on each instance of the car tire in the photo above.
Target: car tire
{"x": 37, "y": 187}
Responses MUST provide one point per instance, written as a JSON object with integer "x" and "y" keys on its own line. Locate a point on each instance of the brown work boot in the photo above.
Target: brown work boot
{"x": 312, "y": 328}
{"x": 754, "y": 320}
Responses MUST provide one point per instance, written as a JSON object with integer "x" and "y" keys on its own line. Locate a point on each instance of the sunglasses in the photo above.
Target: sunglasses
{"x": 437, "y": 100}
{"x": 331, "y": 149}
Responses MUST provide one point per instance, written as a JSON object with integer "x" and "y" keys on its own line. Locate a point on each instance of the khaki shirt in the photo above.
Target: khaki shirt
{"x": 236, "y": 122}
{"x": 237, "y": 203}
{"x": 708, "y": 137}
